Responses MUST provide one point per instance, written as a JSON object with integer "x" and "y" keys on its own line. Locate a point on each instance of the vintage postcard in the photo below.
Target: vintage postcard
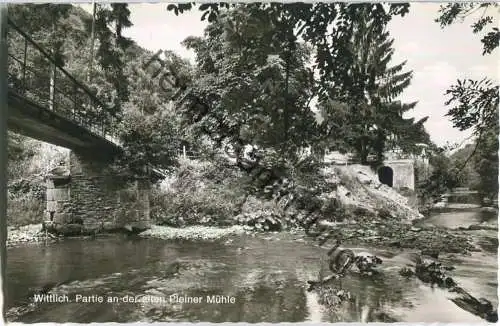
{"x": 252, "y": 162}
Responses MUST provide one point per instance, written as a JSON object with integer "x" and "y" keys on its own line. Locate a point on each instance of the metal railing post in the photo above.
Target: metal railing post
{"x": 54, "y": 75}
{"x": 52, "y": 87}
{"x": 87, "y": 109}
{"x": 75, "y": 100}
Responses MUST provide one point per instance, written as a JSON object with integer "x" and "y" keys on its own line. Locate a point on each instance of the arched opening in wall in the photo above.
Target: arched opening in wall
{"x": 386, "y": 175}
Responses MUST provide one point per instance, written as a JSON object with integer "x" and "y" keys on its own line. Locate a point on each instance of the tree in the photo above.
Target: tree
{"x": 443, "y": 177}
{"x": 111, "y": 49}
{"x": 64, "y": 30}
{"x": 486, "y": 164}
{"x": 454, "y": 12}
{"x": 148, "y": 140}
{"x": 252, "y": 97}
{"x": 372, "y": 121}
{"x": 253, "y": 87}
{"x": 151, "y": 130}
{"x": 326, "y": 26}
{"x": 46, "y": 24}
{"x": 475, "y": 103}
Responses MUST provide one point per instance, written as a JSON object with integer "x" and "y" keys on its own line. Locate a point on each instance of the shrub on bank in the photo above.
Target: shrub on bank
{"x": 201, "y": 193}
{"x": 261, "y": 215}
{"x": 25, "y": 210}
{"x": 26, "y": 201}
{"x": 28, "y": 162}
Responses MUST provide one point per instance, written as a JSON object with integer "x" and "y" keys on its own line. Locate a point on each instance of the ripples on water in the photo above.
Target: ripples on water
{"x": 265, "y": 275}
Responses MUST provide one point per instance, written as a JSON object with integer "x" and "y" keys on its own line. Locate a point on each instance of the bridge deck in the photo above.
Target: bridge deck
{"x": 30, "y": 119}
{"x": 47, "y": 103}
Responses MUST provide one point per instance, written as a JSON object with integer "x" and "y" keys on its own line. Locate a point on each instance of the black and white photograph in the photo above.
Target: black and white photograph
{"x": 255, "y": 162}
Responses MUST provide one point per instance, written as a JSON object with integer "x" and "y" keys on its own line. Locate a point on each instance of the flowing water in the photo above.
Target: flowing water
{"x": 254, "y": 278}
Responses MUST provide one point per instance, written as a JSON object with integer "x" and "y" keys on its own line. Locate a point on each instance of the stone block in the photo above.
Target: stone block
{"x": 108, "y": 226}
{"x": 98, "y": 198}
{"x": 68, "y": 229}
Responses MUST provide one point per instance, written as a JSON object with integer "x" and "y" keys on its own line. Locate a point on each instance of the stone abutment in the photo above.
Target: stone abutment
{"x": 86, "y": 195}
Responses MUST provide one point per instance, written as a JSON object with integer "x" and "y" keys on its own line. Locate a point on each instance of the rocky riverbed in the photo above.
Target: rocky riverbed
{"x": 379, "y": 233}
{"x": 192, "y": 232}
{"x": 279, "y": 261}
{"x": 408, "y": 236}
{"x": 27, "y": 234}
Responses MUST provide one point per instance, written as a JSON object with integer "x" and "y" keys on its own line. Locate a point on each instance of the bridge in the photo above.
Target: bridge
{"x": 45, "y": 102}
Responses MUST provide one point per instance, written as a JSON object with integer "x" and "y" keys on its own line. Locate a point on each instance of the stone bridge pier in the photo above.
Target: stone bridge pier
{"x": 85, "y": 195}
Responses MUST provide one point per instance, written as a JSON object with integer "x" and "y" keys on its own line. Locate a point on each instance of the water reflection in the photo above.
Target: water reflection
{"x": 463, "y": 218}
{"x": 266, "y": 276}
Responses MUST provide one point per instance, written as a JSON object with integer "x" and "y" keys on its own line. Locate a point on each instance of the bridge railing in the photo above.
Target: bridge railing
{"x": 37, "y": 76}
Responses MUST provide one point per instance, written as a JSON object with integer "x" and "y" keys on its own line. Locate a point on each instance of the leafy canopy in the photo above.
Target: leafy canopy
{"x": 474, "y": 104}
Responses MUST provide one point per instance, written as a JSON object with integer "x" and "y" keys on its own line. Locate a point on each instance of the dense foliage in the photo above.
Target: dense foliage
{"x": 110, "y": 69}
{"x": 255, "y": 92}
{"x": 474, "y": 104}
{"x": 258, "y": 100}
{"x": 442, "y": 177}
{"x": 250, "y": 103}
{"x": 365, "y": 118}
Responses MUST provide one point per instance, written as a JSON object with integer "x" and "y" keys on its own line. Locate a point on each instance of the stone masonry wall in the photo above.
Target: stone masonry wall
{"x": 103, "y": 200}
{"x": 403, "y": 173}
{"x": 58, "y": 201}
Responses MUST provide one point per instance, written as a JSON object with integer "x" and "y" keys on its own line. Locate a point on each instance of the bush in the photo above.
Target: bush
{"x": 204, "y": 207}
{"x": 26, "y": 202}
{"x": 25, "y": 210}
{"x": 202, "y": 193}
{"x": 261, "y": 215}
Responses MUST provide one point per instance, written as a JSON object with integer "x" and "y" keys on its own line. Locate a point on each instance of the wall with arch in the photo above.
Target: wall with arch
{"x": 400, "y": 172}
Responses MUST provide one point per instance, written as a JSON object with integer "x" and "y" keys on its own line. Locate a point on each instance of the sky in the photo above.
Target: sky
{"x": 438, "y": 57}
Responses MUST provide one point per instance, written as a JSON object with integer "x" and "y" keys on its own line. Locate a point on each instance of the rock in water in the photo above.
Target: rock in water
{"x": 172, "y": 269}
{"x": 480, "y": 307}
{"x": 331, "y": 296}
{"x": 406, "y": 272}
{"x": 431, "y": 253}
{"x": 134, "y": 229}
{"x": 431, "y": 271}
{"x": 366, "y": 262}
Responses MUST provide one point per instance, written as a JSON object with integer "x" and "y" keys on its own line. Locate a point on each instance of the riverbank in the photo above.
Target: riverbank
{"x": 371, "y": 233}
{"x": 27, "y": 234}
{"x": 267, "y": 275}
{"x": 193, "y": 232}
{"x": 407, "y": 236}
{"x": 33, "y": 234}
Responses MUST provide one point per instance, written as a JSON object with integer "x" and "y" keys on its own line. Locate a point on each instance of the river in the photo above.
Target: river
{"x": 265, "y": 275}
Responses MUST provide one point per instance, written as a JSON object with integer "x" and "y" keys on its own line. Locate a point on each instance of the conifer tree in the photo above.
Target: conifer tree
{"x": 371, "y": 115}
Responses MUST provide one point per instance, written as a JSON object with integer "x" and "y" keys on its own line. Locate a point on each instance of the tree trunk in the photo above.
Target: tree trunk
{"x": 52, "y": 87}
{"x": 286, "y": 121}
{"x": 92, "y": 42}
{"x": 52, "y": 70}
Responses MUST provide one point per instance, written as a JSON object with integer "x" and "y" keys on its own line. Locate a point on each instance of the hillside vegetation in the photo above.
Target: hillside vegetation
{"x": 248, "y": 108}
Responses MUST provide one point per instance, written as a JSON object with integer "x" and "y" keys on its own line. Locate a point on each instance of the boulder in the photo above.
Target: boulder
{"x": 431, "y": 271}
{"x": 136, "y": 227}
{"x": 363, "y": 178}
{"x": 366, "y": 262}
{"x": 480, "y": 307}
{"x": 406, "y": 272}
{"x": 431, "y": 253}
{"x": 69, "y": 230}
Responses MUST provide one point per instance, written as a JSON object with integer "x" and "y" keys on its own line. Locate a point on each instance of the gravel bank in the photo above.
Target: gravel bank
{"x": 26, "y": 234}
{"x": 33, "y": 233}
{"x": 192, "y": 232}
